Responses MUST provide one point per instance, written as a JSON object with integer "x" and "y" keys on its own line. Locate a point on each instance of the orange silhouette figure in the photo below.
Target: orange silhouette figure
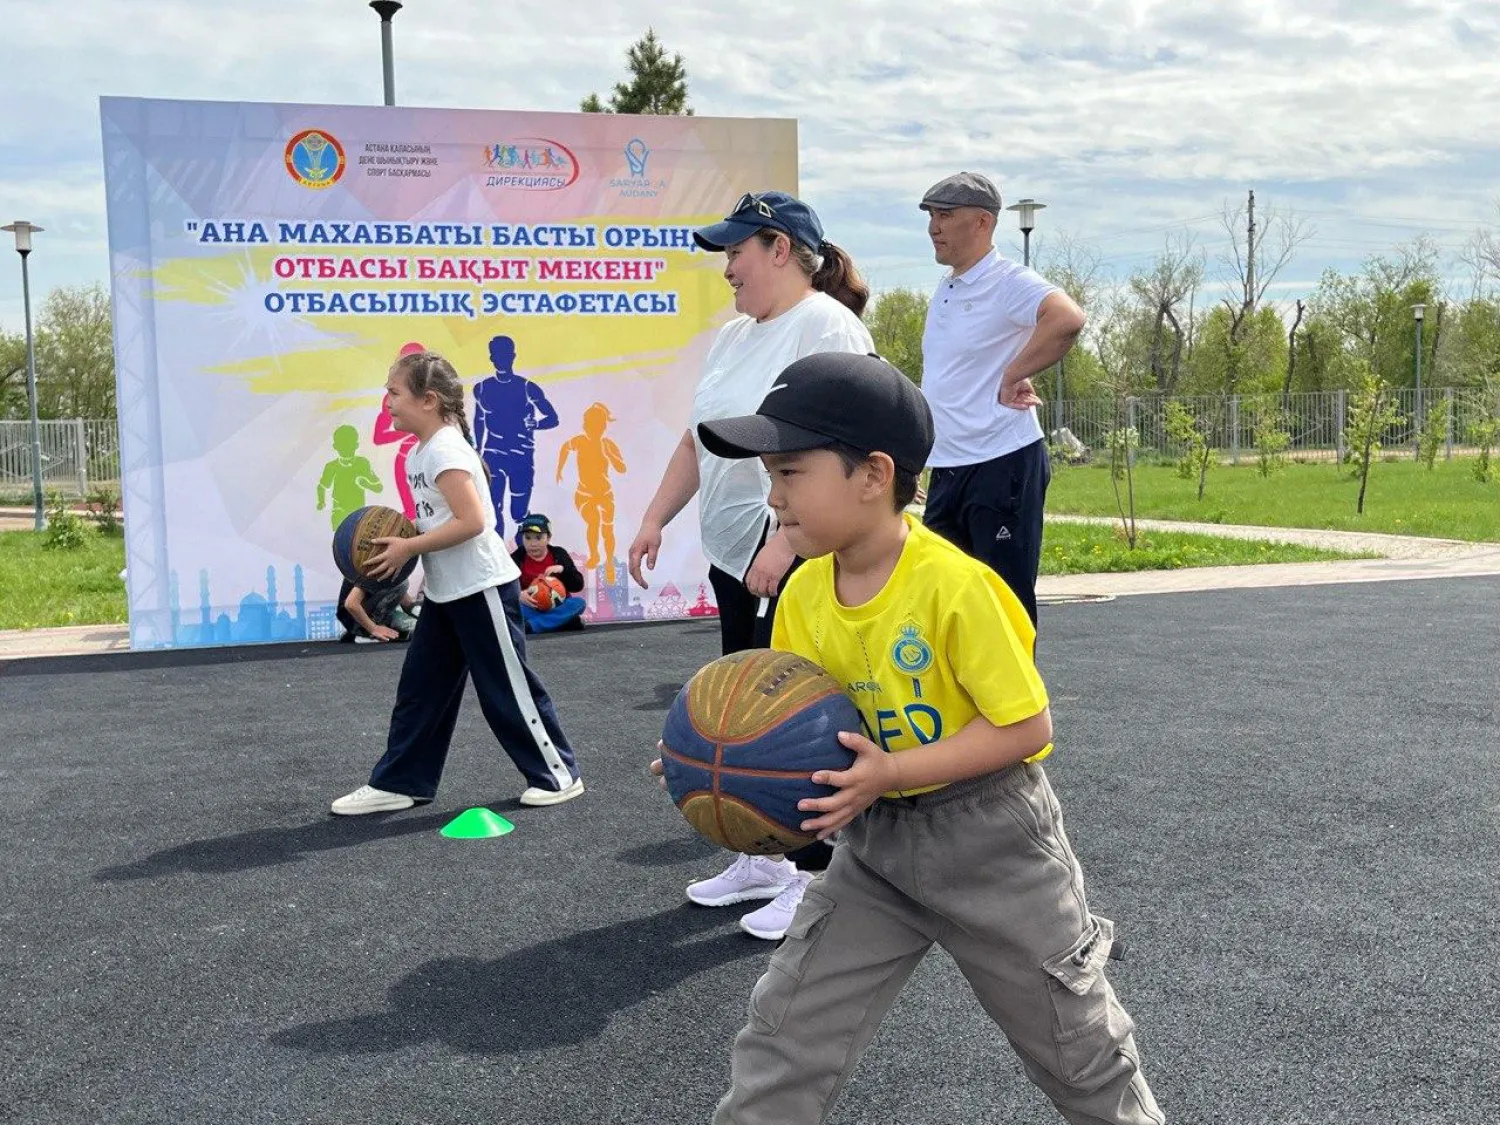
{"x": 595, "y": 498}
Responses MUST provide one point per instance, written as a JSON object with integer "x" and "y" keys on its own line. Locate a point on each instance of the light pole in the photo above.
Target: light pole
{"x": 1028, "y": 209}
{"x": 387, "y": 10}
{"x": 23, "y": 232}
{"x": 1419, "y": 310}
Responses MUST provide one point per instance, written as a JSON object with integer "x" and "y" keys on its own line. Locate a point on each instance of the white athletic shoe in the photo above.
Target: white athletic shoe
{"x": 536, "y": 796}
{"x": 771, "y": 920}
{"x": 748, "y": 878}
{"x": 368, "y": 799}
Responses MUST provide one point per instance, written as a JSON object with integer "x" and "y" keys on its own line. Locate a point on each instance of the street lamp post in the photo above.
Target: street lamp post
{"x": 1027, "y": 209}
{"x": 1419, "y": 311}
{"x": 23, "y": 232}
{"x": 387, "y": 10}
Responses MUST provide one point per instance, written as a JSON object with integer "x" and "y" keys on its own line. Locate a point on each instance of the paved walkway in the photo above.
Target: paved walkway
{"x": 1402, "y": 557}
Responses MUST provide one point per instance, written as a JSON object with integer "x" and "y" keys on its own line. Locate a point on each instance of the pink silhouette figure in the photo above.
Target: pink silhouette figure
{"x": 385, "y": 434}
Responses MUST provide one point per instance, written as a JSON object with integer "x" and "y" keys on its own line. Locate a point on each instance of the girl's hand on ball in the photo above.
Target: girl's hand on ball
{"x": 658, "y": 770}
{"x": 395, "y": 553}
{"x": 873, "y": 773}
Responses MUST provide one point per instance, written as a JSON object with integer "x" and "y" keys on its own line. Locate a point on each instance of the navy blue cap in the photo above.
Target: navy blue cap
{"x": 758, "y": 211}
{"x": 534, "y": 522}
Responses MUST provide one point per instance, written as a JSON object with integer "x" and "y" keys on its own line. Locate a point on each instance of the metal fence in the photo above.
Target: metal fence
{"x": 79, "y": 455}
{"x": 1314, "y": 423}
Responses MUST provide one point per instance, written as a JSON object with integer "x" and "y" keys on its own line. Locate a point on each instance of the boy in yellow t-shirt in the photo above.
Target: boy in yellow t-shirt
{"x": 949, "y": 830}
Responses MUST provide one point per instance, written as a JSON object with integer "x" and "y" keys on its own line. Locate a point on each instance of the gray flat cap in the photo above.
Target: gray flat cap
{"x": 967, "y": 189}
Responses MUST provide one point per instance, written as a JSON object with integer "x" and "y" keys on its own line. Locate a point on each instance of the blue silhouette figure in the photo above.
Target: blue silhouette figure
{"x": 507, "y": 411}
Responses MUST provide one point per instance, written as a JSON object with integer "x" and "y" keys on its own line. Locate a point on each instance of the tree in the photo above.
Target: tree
{"x": 1078, "y": 271}
{"x": 657, "y": 84}
{"x": 896, "y": 321}
{"x": 13, "y": 375}
{"x": 1172, "y": 280}
{"x": 1372, "y": 411}
{"x": 75, "y": 358}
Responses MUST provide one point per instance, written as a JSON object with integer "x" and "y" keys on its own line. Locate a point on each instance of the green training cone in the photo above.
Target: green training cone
{"x": 476, "y": 824}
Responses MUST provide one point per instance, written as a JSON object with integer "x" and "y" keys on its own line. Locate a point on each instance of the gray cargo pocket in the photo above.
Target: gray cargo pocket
{"x": 1088, "y": 1024}
{"x": 777, "y": 989}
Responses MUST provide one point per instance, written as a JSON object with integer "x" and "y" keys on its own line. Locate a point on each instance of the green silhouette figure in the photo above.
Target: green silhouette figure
{"x": 347, "y": 476}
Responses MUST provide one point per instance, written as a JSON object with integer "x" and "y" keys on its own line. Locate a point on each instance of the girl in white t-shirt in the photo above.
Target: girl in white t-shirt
{"x": 471, "y": 617}
{"x": 797, "y": 294}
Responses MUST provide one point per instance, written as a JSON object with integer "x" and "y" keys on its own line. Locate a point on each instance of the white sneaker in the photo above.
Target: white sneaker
{"x": 368, "y": 799}
{"x": 749, "y": 877}
{"x": 537, "y": 796}
{"x": 772, "y": 919}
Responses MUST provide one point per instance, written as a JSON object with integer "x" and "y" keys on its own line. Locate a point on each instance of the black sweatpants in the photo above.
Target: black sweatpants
{"x": 993, "y": 511}
{"x": 480, "y": 636}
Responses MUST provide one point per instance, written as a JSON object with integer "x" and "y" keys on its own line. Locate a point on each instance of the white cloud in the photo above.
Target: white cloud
{"x": 1125, "y": 116}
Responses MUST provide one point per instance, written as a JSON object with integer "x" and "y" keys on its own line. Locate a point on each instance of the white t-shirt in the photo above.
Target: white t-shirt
{"x": 977, "y": 324}
{"x": 475, "y": 564}
{"x": 741, "y": 367}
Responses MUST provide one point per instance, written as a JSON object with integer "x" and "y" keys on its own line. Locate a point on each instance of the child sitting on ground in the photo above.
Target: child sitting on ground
{"x": 538, "y": 559}
{"x": 374, "y": 614}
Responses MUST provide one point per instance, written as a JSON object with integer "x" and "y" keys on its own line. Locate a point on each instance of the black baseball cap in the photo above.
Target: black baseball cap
{"x": 827, "y": 399}
{"x": 757, "y": 211}
{"x": 534, "y": 522}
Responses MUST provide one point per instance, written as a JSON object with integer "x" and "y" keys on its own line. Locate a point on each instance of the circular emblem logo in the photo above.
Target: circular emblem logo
{"x": 315, "y": 159}
{"x": 911, "y": 654}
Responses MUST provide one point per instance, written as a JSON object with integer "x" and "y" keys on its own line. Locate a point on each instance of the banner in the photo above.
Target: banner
{"x": 269, "y": 264}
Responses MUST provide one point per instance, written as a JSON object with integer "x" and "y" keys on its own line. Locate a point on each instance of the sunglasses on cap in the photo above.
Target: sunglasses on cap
{"x": 752, "y": 202}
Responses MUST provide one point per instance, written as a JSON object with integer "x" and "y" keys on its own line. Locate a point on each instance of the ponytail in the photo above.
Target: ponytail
{"x": 837, "y": 277}
{"x": 829, "y": 270}
{"x": 462, "y": 417}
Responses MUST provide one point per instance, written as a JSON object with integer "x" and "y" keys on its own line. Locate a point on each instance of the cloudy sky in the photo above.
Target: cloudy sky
{"x": 1133, "y": 120}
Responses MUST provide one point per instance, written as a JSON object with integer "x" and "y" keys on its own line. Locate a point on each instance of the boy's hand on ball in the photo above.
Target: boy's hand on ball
{"x": 658, "y": 770}
{"x": 873, "y": 773}
{"x": 526, "y": 598}
{"x": 394, "y": 554}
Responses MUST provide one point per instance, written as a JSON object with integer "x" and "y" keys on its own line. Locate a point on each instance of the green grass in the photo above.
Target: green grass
{"x": 1072, "y": 548}
{"x": 46, "y": 588}
{"x": 1403, "y": 498}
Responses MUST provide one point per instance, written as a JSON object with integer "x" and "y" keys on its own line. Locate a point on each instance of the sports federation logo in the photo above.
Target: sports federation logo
{"x": 530, "y": 164}
{"x": 911, "y": 654}
{"x": 315, "y": 159}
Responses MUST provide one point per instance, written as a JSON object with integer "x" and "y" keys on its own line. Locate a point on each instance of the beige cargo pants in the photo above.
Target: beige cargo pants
{"x": 984, "y": 869}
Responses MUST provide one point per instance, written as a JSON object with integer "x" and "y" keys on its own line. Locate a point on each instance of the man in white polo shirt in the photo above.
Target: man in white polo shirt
{"x": 991, "y": 326}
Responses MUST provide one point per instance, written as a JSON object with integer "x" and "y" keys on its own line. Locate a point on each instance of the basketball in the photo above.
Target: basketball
{"x": 354, "y": 543}
{"x": 742, "y": 741}
{"x": 547, "y": 592}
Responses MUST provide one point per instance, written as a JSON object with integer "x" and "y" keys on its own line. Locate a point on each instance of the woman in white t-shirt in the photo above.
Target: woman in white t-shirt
{"x": 471, "y": 616}
{"x": 797, "y": 294}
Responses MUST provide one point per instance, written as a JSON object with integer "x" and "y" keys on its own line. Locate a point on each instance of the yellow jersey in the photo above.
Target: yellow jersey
{"x": 945, "y": 641}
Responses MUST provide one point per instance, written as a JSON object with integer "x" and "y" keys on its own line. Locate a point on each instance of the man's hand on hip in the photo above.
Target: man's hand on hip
{"x": 1018, "y": 394}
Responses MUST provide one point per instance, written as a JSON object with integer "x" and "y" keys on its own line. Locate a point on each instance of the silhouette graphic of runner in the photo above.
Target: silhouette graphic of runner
{"x": 507, "y": 410}
{"x": 595, "y": 497}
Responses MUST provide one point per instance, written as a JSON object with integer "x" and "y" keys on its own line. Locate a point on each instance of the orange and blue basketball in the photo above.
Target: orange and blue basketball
{"x": 547, "y": 592}
{"x": 354, "y": 543}
{"x": 742, "y": 741}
